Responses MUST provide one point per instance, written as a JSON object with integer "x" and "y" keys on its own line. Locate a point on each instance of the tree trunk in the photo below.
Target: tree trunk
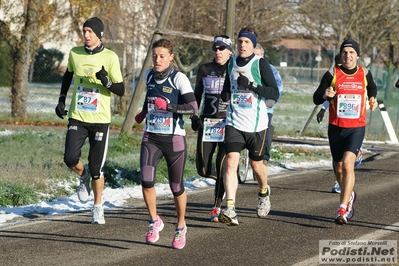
{"x": 24, "y": 50}
{"x": 19, "y": 84}
{"x": 139, "y": 92}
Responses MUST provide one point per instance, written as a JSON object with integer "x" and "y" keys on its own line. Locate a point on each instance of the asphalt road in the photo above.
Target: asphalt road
{"x": 303, "y": 211}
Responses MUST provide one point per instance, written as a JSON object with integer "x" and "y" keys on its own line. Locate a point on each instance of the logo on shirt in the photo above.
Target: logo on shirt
{"x": 167, "y": 89}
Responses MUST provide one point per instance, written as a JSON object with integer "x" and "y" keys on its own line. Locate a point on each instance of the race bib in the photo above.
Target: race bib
{"x": 349, "y": 105}
{"x": 87, "y": 99}
{"x": 213, "y": 130}
{"x": 159, "y": 121}
{"x": 242, "y": 100}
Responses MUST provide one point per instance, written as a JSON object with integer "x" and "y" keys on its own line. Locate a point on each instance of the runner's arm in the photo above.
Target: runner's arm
{"x": 371, "y": 86}
{"x": 324, "y": 84}
{"x": 268, "y": 89}
{"x": 225, "y": 94}
{"x": 189, "y": 108}
{"x": 117, "y": 88}
{"x": 199, "y": 86}
{"x": 66, "y": 82}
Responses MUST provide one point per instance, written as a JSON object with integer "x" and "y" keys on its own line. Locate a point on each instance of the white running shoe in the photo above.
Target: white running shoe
{"x": 98, "y": 216}
{"x": 350, "y": 210}
{"x": 264, "y": 204}
{"x": 228, "y": 216}
{"x": 84, "y": 186}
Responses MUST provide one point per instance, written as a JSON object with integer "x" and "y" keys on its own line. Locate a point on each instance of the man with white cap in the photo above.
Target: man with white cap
{"x": 96, "y": 73}
{"x": 211, "y": 123}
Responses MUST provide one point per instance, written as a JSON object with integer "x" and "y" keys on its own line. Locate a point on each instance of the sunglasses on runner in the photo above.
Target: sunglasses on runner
{"x": 220, "y": 48}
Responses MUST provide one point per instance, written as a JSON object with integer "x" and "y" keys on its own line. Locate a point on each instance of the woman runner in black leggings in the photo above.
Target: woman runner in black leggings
{"x": 169, "y": 96}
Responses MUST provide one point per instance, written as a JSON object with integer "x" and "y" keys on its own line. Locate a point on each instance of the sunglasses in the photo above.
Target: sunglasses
{"x": 220, "y": 48}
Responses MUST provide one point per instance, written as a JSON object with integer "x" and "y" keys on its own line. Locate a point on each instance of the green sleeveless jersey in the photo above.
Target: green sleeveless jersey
{"x": 247, "y": 110}
{"x": 91, "y": 101}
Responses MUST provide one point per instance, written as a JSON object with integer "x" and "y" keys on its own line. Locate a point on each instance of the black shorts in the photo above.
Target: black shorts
{"x": 344, "y": 139}
{"x": 97, "y": 134}
{"x": 254, "y": 142}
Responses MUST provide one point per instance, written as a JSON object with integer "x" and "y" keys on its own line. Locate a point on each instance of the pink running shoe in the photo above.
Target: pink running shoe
{"x": 179, "y": 241}
{"x": 154, "y": 228}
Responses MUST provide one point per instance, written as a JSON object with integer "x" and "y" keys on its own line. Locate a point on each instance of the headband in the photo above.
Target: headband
{"x": 248, "y": 35}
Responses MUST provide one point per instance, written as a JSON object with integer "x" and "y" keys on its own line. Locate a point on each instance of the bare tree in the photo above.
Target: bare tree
{"x": 22, "y": 27}
{"x": 206, "y": 17}
{"x": 130, "y": 25}
{"x": 371, "y": 23}
{"x": 26, "y": 25}
{"x": 30, "y": 23}
{"x": 129, "y": 35}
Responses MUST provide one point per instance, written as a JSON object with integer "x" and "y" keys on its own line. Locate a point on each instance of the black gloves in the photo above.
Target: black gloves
{"x": 60, "y": 109}
{"x": 320, "y": 115}
{"x": 243, "y": 81}
{"x": 397, "y": 84}
{"x": 102, "y": 75}
{"x": 196, "y": 123}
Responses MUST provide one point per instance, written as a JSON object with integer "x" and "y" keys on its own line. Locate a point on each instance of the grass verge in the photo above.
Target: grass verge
{"x": 32, "y": 168}
{"x": 31, "y": 161}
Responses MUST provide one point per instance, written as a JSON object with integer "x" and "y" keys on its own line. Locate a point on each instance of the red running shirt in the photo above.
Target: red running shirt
{"x": 348, "y": 108}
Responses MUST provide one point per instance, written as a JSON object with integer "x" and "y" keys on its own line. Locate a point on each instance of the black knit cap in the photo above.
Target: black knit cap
{"x": 350, "y": 43}
{"x": 96, "y": 25}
